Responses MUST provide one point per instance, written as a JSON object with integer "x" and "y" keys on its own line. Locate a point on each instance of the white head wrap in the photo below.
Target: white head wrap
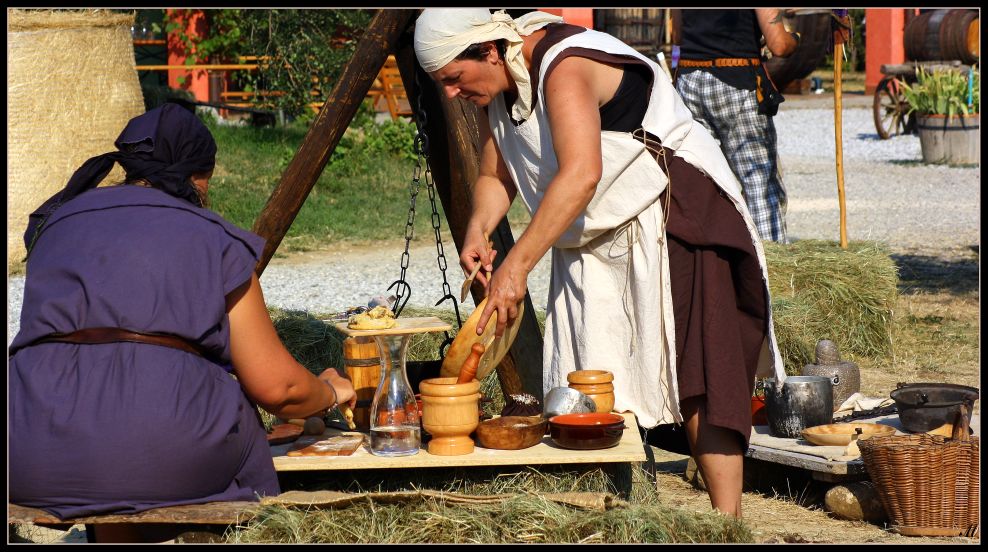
{"x": 443, "y": 34}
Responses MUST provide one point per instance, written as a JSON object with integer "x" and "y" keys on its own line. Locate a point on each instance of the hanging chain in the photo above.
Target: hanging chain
{"x": 421, "y": 146}
{"x": 404, "y": 291}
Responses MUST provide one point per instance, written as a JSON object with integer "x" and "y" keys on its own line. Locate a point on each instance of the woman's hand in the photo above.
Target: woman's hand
{"x": 476, "y": 250}
{"x": 345, "y": 395}
{"x": 505, "y": 293}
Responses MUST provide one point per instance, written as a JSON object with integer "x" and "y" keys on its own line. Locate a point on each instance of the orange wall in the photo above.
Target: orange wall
{"x": 196, "y": 82}
{"x": 573, "y": 16}
{"x": 883, "y": 42}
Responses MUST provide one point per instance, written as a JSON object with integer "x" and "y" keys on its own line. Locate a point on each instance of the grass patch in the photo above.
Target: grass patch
{"x": 525, "y": 517}
{"x": 361, "y": 196}
{"x": 820, "y": 291}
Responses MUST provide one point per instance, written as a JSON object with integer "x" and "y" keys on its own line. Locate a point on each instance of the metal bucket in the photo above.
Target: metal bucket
{"x": 798, "y": 403}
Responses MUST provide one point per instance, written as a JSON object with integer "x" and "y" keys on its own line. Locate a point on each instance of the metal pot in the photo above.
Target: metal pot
{"x": 564, "y": 400}
{"x": 926, "y": 406}
{"x": 798, "y": 403}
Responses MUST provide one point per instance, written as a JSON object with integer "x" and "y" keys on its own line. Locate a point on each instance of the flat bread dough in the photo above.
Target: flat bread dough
{"x": 378, "y": 318}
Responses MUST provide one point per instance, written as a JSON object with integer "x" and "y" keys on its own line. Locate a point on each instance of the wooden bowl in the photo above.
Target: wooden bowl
{"x": 511, "y": 432}
{"x": 840, "y": 434}
{"x": 586, "y": 431}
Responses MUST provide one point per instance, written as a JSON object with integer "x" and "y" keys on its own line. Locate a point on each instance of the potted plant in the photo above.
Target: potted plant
{"x": 948, "y": 114}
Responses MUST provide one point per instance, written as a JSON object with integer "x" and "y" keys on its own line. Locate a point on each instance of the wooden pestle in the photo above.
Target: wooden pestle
{"x": 469, "y": 369}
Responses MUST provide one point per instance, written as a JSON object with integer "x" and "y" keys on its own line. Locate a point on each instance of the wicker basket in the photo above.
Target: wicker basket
{"x": 928, "y": 484}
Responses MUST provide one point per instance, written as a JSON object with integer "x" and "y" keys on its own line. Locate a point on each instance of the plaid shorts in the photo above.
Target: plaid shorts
{"x": 748, "y": 141}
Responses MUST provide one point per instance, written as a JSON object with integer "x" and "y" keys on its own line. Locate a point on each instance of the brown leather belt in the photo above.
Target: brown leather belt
{"x": 94, "y": 336}
{"x": 720, "y": 62}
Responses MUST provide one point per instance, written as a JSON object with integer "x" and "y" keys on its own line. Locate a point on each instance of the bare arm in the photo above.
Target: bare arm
{"x": 573, "y": 95}
{"x": 779, "y": 41}
{"x": 492, "y": 195}
{"x": 269, "y": 374}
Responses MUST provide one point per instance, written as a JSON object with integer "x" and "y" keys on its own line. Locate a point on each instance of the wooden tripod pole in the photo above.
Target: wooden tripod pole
{"x": 838, "y": 66}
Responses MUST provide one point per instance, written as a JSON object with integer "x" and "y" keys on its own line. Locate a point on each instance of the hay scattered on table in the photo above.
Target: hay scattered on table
{"x": 820, "y": 291}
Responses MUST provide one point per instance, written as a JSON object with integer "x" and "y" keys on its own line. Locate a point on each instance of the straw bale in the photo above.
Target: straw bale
{"x": 820, "y": 291}
{"x": 72, "y": 86}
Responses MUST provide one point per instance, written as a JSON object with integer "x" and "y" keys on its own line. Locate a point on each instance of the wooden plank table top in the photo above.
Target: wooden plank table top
{"x": 629, "y": 449}
{"x": 402, "y": 326}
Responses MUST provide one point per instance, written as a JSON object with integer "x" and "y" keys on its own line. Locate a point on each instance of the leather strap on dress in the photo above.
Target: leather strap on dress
{"x": 93, "y": 336}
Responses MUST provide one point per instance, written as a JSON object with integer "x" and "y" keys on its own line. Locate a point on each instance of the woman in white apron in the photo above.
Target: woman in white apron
{"x": 657, "y": 271}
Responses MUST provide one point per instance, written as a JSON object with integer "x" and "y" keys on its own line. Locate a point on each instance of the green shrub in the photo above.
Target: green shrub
{"x": 943, "y": 92}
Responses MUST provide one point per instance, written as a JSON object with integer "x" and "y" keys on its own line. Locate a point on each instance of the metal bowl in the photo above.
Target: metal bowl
{"x": 565, "y": 400}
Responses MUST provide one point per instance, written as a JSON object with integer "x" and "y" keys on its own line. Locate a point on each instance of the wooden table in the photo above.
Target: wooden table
{"x": 616, "y": 460}
{"x": 796, "y": 453}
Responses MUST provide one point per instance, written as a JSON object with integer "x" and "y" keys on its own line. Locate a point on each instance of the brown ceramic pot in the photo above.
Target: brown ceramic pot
{"x": 586, "y": 431}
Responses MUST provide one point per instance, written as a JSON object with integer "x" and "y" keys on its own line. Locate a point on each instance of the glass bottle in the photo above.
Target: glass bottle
{"x": 394, "y": 425}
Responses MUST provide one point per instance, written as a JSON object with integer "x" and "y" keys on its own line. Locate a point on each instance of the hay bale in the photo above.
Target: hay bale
{"x": 71, "y": 88}
{"x": 820, "y": 291}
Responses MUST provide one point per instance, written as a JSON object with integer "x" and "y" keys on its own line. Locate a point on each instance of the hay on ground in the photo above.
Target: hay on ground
{"x": 528, "y": 514}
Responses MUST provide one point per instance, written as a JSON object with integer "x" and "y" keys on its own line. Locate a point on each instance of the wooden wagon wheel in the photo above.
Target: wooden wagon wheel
{"x": 890, "y": 109}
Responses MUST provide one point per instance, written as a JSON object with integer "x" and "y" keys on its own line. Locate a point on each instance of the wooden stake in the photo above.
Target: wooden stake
{"x": 838, "y": 67}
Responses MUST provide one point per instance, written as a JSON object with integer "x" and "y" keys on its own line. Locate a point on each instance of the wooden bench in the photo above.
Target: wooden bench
{"x": 389, "y": 87}
{"x": 198, "y": 522}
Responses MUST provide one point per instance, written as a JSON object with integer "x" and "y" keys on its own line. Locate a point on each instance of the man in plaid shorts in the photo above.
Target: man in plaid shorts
{"x": 723, "y": 82}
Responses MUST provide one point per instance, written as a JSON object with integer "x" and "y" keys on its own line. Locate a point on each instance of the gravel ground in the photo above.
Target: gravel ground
{"x": 891, "y": 197}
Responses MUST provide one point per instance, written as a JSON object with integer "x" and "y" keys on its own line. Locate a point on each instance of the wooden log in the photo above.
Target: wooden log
{"x": 857, "y": 501}
{"x": 305, "y": 168}
{"x": 454, "y": 147}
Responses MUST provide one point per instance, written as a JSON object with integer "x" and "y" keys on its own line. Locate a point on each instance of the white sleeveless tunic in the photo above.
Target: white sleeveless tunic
{"x": 610, "y": 304}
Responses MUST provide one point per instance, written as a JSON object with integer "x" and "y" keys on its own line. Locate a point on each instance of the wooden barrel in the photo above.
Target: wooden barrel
{"x": 362, "y": 362}
{"x": 813, "y": 25}
{"x": 641, "y": 28}
{"x": 950, "y": 140}
{"x": 944, "y": 35}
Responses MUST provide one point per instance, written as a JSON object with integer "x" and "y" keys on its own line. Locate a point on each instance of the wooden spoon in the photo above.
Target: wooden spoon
{"x": 468, "y": 282}
{"x": 465, "y": 288}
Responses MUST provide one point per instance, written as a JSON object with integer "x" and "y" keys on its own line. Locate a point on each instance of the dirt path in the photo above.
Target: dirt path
{"x": 779, "y": 519}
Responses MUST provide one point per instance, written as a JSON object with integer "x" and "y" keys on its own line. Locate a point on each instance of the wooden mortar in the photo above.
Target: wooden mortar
{"x": 450, "y": 413}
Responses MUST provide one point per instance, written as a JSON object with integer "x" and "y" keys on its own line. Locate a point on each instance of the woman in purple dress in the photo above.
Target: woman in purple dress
{"x": 140, "y": 307}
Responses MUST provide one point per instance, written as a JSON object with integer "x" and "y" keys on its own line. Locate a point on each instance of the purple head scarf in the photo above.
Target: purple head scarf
{"x": 164, "y": 146}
